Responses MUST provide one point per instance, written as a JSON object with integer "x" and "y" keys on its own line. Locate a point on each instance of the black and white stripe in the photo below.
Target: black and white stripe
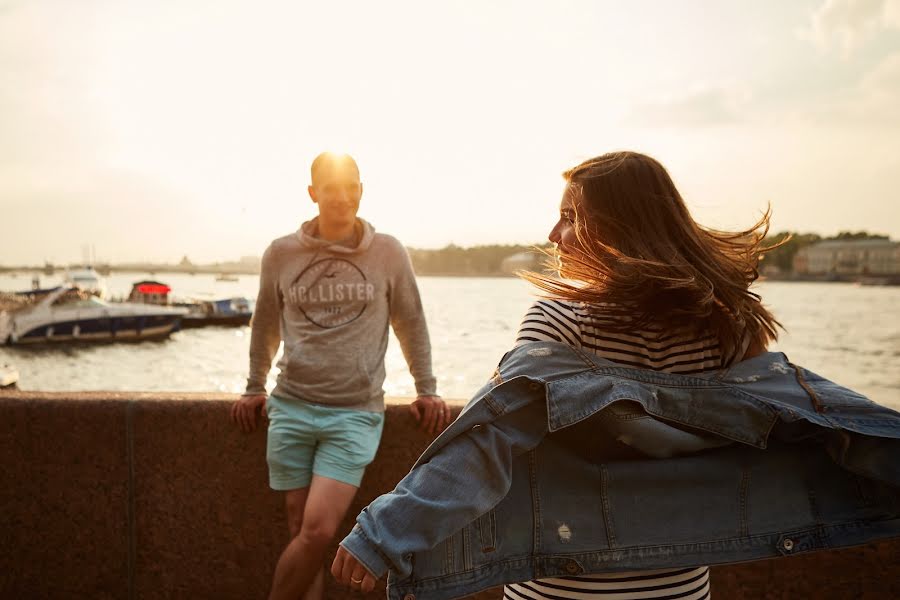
{"x": 549, "y": 321}
{"x": 583, "y": 326}
{"x": 665, "y": 584}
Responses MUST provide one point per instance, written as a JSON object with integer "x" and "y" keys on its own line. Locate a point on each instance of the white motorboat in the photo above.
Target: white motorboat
{"x": 9, "y": 376}
{"x": 68, "y": 314}
{"x": 87, "y": 279}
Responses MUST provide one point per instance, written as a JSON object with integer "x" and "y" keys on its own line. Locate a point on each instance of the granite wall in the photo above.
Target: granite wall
{"x": 143, "y": 496}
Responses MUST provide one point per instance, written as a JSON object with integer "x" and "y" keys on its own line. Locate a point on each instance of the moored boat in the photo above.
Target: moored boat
{"x": 68, "y": 314}
{"x": 226, "y": 312}
{"x": 87, "y": 279}
{"x": 9, "y": 377}
{"x": 201, "y": 312}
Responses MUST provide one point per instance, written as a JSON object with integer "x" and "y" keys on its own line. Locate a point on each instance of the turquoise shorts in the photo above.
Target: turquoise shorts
{"x": 305, "y": 438}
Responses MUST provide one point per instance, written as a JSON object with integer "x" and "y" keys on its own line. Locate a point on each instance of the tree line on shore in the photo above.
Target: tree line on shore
{"x": 488, "y": 260}
{"x": 474, "y": 261}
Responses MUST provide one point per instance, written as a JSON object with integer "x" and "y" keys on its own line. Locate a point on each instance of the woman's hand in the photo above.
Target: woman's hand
{"x": 350, "y": 572}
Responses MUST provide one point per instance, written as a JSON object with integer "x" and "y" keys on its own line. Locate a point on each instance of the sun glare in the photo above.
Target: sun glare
{"x": 215, "y": 110}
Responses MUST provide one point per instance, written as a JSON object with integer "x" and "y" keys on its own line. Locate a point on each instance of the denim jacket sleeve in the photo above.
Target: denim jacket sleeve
{"x": 465, "y": 479}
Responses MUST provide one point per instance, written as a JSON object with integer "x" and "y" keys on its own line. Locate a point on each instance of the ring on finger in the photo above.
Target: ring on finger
{"x": 356, "y": 581}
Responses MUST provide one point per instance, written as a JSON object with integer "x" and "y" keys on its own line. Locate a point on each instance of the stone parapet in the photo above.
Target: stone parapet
{"x": 153, "y": 496}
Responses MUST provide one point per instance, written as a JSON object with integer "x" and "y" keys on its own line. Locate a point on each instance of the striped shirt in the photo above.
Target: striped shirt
{"x": 586, "y": 327}
{"x": 681, "y": 584}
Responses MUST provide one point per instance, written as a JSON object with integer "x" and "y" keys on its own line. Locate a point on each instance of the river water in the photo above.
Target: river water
{"x": 846, "y": 332}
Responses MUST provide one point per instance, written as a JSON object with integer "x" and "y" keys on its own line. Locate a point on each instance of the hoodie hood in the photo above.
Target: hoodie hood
{"x": 307, "y": 236}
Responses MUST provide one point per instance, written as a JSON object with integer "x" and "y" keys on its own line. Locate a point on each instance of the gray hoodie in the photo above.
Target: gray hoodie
{"x": 331, "y": 303}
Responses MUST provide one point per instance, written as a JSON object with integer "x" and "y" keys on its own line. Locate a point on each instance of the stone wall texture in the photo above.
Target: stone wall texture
{"x": 152, "y": 496}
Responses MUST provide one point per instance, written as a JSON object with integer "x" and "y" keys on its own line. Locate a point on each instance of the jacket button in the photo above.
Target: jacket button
{"x": 788, "y": 544}
{"x": 409, "y": 597}
{"x": 572, "y": 567}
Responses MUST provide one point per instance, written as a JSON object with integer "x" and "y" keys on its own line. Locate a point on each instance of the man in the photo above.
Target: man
{"x": 329, "y": 292}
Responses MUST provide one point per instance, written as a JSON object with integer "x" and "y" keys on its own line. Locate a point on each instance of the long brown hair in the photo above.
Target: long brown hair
{"x": 650, "y": 265}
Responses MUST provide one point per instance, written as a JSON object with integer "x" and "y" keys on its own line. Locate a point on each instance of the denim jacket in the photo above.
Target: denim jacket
{"x": 759, "y": 460}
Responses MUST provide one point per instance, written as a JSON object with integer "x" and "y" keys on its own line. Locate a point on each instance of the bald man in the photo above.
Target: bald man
{"x": 329, "y": 291}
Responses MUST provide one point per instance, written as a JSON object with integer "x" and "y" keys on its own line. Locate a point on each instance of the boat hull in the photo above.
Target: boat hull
{"x": 112, "y": 329}
{"x": 190, "y": 322}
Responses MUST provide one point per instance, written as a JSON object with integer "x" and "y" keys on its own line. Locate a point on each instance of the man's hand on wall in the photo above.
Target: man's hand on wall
{"x": 246, "y": 411}
{"x": 431, "y": 412}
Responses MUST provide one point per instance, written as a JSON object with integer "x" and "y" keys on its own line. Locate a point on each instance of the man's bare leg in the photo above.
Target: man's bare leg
{"x": 316, "y": 591}
{"x": 300, "y": 567}
{"x": 294, "y": 503}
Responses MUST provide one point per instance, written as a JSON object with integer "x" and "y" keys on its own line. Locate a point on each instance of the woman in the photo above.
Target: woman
{"x": 649, "y": 309}
{"x": 645, "y": 286}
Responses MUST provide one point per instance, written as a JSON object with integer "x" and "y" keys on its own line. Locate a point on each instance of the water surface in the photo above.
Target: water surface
{"x": 846, "y": 332}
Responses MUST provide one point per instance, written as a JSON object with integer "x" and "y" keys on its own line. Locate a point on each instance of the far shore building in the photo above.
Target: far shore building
{"x": 849, "y": 258}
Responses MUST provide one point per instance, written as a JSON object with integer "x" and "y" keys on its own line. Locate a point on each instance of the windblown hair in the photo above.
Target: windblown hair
{"x": 643, "y": 259}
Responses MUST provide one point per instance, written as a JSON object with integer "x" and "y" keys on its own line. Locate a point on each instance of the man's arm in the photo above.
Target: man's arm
{"x": 265, "y": 328}
{"x": 265, "y": 336}
{"x": 408, "y": 320}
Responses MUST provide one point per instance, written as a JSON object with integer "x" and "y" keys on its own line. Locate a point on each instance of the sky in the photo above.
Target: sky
{"x": 148, "y": 131}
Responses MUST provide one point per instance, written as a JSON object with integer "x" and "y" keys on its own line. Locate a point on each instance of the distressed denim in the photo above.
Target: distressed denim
{"x": 759, "y": 460}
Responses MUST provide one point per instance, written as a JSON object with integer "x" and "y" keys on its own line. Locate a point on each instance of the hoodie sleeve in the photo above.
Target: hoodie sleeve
{"x": 265, "y": 328}
{"x": 408, "y": 321}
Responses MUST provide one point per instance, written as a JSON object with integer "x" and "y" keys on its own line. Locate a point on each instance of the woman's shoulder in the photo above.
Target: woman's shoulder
{"x": 550, "y": 320}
